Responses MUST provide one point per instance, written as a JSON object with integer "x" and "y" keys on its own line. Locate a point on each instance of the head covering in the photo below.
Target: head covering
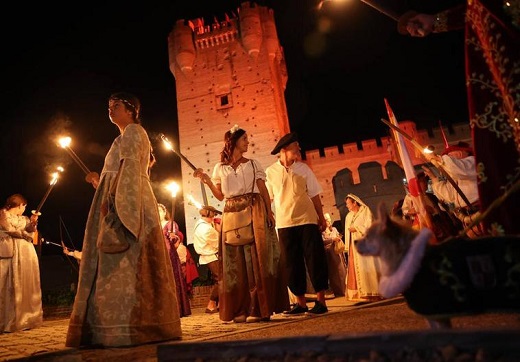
{"x": 357, "y": 199}
{"x": 460, "y": 146}
{"x": 284, "y": 142}
{"x": 205, "y": 209}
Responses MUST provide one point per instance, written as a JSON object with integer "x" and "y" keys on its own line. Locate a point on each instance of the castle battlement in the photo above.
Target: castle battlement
{"x": 351, "y": 158}
{"x": 377, "y": 146}
{"x": 216, "y": 34}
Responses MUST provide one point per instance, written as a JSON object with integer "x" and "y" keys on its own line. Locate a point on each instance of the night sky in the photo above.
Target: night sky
{"x": 61, "y": 62}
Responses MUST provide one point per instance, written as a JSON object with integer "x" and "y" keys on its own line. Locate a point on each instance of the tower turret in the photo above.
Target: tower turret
{"x": 250, "y": 28}
{"x": 271, "y": 37}
{"x": 181, "y": 49}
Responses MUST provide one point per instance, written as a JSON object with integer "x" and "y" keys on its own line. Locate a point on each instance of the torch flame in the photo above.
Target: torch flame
{"x": 55, "y": 176}
{"x": 429, "y": 149}
{"x": 192, "y": 201}
{"x": 166, "y": 142}
{"x": 173, "y": 187}
{"x": 65, "y": 142}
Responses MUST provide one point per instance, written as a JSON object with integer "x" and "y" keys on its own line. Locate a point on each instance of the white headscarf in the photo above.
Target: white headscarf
{"x": 357, "y": 199}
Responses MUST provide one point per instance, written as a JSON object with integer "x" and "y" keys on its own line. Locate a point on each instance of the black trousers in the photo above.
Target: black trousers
{"x": 303, "y": 246}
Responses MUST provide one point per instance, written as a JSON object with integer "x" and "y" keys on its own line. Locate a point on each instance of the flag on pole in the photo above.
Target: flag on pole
{"x": 424, "y": 219}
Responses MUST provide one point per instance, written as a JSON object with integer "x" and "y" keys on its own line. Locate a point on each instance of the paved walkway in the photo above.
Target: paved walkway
{"x": 50, "y": 338}
{"x": 47, "y": 343}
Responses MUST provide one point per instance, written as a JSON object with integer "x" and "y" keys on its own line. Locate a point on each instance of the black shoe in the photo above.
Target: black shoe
{"x": 295, "y": 310}
{"x": 318, "y": 309}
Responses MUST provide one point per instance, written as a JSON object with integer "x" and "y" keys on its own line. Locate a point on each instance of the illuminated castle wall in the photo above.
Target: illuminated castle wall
{"x": 233, "y": 72}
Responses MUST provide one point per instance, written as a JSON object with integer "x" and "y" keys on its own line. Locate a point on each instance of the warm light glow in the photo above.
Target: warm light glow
{"x": 167, "y": 143}
{"x": 429, "y": 149}
{"x": 173, "y": 187}
{"x": 169, "y": 146}
{"x": 55, "y": 176}
{"x": 54, "y": 180}
{"x": 192, "y": 201}
{"x": 65, "y": 142}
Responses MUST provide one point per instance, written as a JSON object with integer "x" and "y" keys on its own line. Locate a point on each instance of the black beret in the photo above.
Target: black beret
{"x": 285, "y": 141}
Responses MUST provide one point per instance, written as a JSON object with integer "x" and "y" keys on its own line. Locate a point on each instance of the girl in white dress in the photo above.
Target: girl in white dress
{"x": 21, "y": 296}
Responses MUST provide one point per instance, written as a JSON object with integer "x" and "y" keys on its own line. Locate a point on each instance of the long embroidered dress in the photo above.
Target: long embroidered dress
{"x": 362, "y": 271}
{"x": 21, "y": 300}
{"x": 126, "y": 298}
{"x": 251, "y": 280}
{"x": 180, "y": 282}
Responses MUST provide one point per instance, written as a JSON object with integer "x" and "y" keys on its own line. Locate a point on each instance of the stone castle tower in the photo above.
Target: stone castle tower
{"x": 233, "y": 72}
{"x": 230, "y": 72}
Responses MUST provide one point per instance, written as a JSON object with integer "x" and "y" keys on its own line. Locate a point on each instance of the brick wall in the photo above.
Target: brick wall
{"x": 200, "y": 296}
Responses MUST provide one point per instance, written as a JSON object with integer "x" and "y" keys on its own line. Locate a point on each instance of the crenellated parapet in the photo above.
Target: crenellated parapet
{"x": 329, "y": 162}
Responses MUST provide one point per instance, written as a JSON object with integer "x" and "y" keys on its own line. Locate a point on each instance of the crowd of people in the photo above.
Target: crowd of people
{"x": 135, "y": 271}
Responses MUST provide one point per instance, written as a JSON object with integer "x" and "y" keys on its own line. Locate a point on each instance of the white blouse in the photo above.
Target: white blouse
{"x": 240, "y": 181}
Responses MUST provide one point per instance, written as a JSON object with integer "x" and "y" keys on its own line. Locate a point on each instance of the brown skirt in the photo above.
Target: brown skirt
{"x": 251, "y": 278}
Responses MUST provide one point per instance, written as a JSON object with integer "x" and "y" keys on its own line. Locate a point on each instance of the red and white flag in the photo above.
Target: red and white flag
{"x": 413, "y": 186}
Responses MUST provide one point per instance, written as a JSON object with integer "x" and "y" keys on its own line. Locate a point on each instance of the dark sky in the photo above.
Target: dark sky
{"x": 61, "y": 62}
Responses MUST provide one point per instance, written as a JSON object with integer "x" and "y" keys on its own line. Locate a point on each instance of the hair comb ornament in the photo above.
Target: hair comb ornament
{"x": 127, "y": 102}
{"x": 234, "y": 129}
